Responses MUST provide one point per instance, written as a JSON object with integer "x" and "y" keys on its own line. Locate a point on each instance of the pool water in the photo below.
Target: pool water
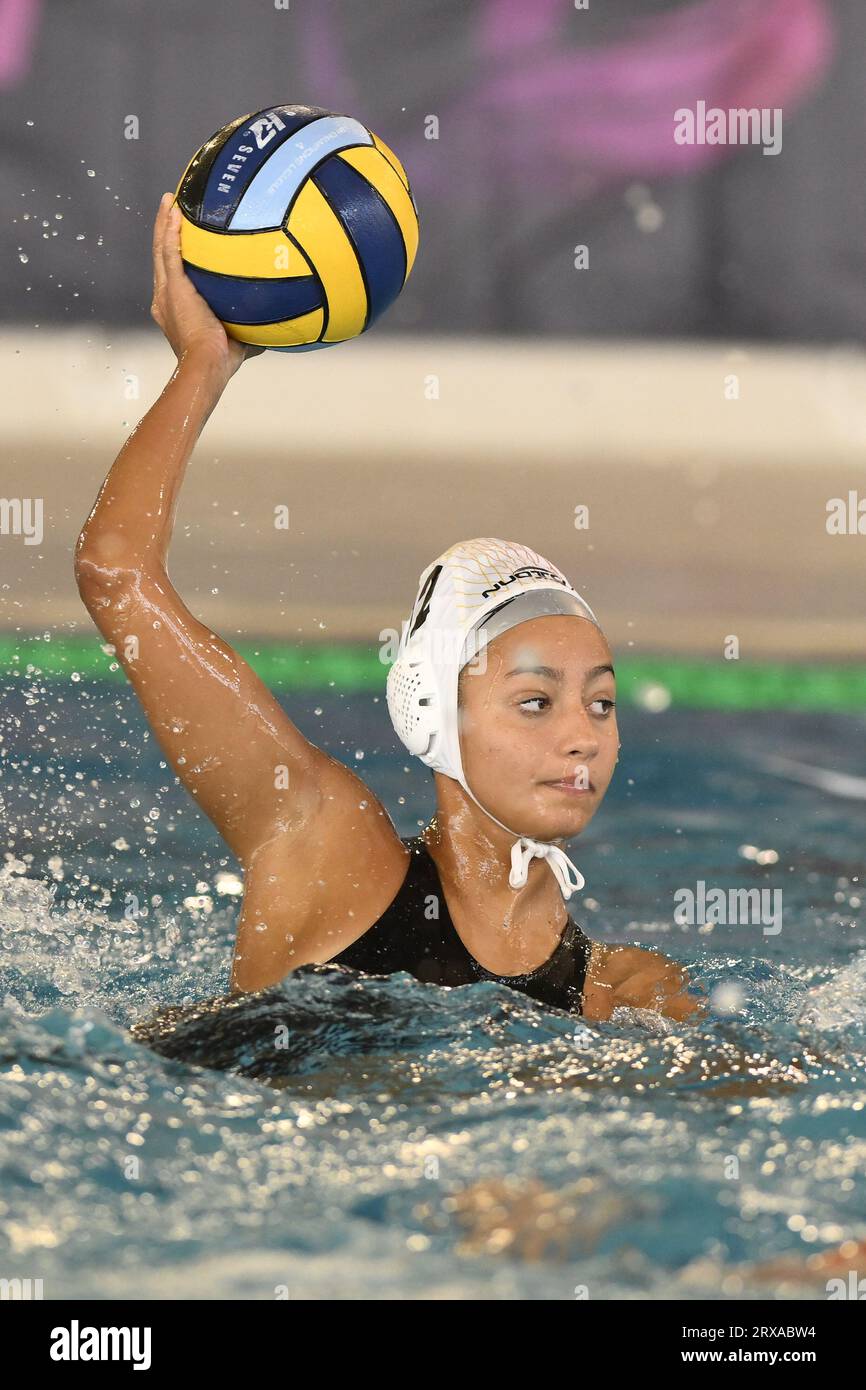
{"x": 342, "y": 1137}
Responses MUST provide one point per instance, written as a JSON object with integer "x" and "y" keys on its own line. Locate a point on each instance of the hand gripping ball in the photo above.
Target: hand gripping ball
{"x": 298, "y": 227}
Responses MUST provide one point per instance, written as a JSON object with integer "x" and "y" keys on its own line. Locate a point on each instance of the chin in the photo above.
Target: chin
{"x": 567, "y": 828}
{"x": 556, "y": 825}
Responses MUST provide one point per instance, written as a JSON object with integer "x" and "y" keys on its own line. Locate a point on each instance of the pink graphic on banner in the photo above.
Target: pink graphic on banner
{"x": 549, "y": 110}
{"x": 552, "y": 106}
{"x": 19, "y": 25}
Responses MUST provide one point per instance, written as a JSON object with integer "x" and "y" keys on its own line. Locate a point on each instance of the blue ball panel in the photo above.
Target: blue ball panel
{"x": 300, "y": 347}
{"x": 234, "y": 167}
{"x": 372, "y": 227}
{"x": 257, "y": 301}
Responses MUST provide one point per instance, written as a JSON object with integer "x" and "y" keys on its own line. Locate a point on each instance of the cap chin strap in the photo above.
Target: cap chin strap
{"x": 525, "y": 849}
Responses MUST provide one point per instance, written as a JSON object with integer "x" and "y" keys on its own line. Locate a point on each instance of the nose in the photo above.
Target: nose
{"x": 581, "y": 738}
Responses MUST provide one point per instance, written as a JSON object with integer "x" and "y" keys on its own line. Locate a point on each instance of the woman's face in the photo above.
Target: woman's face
{"x": 541, "y": 713}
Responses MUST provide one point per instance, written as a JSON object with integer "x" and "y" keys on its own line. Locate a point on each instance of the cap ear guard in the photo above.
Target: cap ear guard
{"x": 411, "y": 704}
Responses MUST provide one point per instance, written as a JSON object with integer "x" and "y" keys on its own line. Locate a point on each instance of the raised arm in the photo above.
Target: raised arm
{"x": 225, "y": 735}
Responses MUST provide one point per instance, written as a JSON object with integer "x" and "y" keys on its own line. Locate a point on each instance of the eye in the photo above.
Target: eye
{"x": 611, "y": 704}
{"x": 534, "y": 700}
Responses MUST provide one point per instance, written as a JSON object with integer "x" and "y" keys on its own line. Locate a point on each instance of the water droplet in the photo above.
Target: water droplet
{"x": 91, "y": 173}
{"x": 23, "y": 258}
{"x": 80, "y": 236}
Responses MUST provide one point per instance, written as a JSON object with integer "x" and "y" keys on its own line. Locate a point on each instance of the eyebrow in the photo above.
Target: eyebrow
{"x": 553, "y": 673}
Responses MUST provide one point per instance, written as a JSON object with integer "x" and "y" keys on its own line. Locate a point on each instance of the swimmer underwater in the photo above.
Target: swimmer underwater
{"x": 503, "y": 683}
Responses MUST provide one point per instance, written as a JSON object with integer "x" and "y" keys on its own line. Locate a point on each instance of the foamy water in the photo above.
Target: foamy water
{"x": 343, "y": 1137}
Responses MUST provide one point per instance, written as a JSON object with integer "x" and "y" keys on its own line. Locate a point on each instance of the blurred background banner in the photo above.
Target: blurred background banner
{"x": 529, "y": 129}
{"x": 632, "y": 337}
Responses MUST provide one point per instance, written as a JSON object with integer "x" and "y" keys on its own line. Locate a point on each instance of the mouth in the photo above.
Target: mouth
{"x": 571, "y": 788}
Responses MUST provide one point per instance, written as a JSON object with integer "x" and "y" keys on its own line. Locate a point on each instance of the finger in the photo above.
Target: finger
{"x": 683, "y": 1006}
{"x": 672, "y": 978}
{"x": 678, "y": 1007}
{"x": 171, "y": 243}
{"x": 158, "y": 235}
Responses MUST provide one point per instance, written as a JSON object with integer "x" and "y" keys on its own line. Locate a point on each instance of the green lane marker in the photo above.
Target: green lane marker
{"x": 648, "y": 681}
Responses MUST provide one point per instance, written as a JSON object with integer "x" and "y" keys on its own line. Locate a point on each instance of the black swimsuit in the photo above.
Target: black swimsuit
{"x": 416, "y": 934}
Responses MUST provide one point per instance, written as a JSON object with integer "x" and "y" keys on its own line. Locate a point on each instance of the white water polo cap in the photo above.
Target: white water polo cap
{"x": 471, "y": 594}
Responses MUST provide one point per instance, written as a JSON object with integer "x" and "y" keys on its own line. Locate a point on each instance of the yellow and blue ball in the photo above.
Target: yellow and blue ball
{"x": 298, "y": 227}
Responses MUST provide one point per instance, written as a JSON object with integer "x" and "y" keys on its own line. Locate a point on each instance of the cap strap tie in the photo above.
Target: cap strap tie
{"x": 525, "y": 849}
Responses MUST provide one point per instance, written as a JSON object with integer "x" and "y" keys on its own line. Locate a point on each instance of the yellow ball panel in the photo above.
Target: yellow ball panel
{"x": 258, "y": 255}
{"x": 319, "y": 232}
{"x": 390, "y": 156}
{"x": 290, "y": 333}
